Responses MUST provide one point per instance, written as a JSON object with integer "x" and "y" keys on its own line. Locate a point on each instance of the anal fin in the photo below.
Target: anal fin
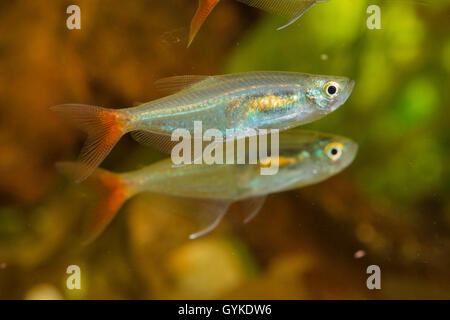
{"x": 209, "y": 214}
{"x": 161, "y": 142}
{"x": 290, "y": 9}
{"x": 251, "y": 207}
{"x": 297, "y": 15}
{"x": 204, "y": 214}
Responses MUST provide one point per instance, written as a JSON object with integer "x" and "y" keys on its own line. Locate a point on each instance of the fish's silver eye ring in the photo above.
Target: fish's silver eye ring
{"x": 331, "y": 89}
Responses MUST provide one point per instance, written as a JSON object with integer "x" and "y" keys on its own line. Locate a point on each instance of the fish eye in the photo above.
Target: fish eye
{"x": 334, "y": 150}
{"x": 331, "y": 89}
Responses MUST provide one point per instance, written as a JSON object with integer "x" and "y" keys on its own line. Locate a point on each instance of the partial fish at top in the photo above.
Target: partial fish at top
{"x": 291, "y": 9}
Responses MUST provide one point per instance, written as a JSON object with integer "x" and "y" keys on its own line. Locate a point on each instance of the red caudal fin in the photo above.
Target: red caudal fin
{"x": 104, "y": 128}
{"x": 204, "y": 9}
{"x": 110, "y": 194}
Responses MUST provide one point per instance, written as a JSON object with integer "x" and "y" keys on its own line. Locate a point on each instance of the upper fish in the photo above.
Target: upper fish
{"x": 290, "y": 9}
{"x": 257, "y": 100}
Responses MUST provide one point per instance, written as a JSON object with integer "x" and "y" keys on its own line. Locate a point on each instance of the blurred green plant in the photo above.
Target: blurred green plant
{"x": 396, "y": 110}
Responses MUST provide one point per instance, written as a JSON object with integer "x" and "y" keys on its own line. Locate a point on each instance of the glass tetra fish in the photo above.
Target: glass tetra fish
{"x": 304, "y": 158}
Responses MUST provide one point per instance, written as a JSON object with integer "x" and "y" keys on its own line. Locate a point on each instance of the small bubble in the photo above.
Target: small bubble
{"x": 359, "y": 254}
{"x": 324, "y": 57}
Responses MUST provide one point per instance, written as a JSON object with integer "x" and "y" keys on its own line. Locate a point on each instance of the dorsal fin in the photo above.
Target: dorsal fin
{"x": 175, "y": 84}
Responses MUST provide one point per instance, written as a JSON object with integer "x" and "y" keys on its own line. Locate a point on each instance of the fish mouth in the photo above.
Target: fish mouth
{"x": 352, "y": 150}
{"x": 349, "y": 90}
{"x": 351, "y": 85}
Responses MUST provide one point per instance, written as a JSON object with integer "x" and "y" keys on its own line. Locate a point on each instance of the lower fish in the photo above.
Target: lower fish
{"x": 304, "y": 158}
{"x": 291, "y": 9}
{"x": 257, "y": 100}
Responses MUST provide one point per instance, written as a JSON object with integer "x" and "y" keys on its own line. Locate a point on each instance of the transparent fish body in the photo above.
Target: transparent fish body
{"x": 279, "y": 100}
{"x": 236, "y": 102}
{"x": 304, "y": 158}
{"x": 302, "y": 161}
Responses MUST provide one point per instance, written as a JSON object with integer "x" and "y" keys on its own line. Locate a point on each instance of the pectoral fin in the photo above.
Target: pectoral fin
{"x": 164, "y": 143}
{"x": 160, "y": 142}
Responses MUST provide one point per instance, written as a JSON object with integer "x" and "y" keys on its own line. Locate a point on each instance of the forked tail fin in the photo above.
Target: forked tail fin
{"x": 204, "y": 9}
{"x": 104, "y": 128}
{"x": 111, "y": 191}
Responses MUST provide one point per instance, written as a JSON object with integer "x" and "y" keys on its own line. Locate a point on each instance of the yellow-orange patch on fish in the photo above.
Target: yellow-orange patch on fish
{"x": 282, "y": 161}
{"x": 269, "y": 102}
{"x": 114, "y": 122}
